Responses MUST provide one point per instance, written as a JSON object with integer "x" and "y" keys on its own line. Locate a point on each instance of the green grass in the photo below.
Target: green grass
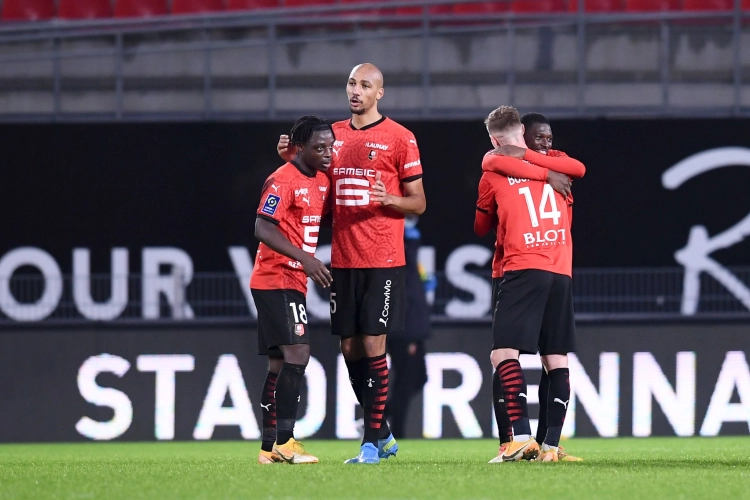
{"x": 614, "y": 468}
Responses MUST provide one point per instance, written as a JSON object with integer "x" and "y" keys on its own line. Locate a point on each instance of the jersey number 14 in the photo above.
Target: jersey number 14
{"x": 548, "y": 198}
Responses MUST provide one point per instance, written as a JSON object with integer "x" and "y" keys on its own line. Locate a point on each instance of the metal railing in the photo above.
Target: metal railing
{"x": 604, "y": 294}
{"x": 118, "y": 40}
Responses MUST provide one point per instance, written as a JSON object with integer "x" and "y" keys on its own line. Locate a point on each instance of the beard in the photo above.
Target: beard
{"x": 357, "y": 111}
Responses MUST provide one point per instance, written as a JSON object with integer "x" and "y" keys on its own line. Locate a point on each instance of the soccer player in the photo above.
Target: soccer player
{"x": 533, "y": 309}
{"x": 537, "y": 137}
{"x": 376, "y": 178}
{"x": 287, "y": 224}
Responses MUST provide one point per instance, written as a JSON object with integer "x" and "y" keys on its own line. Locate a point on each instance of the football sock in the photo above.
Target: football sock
{"x": 557, "y": 404}
{"x": 357, "y": 376}
{"x": 541, "y": 429}
{"x": 287, "y": 400}
{"x": 514, "y": 390}
{"x": 374, "y": 396}
{"x": 268, "y": 404}
{"x": 504, "y": 428}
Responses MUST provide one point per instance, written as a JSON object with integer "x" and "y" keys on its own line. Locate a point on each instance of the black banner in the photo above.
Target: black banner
{"x": 192, "y": 382}
{"x": 196, "y": 187}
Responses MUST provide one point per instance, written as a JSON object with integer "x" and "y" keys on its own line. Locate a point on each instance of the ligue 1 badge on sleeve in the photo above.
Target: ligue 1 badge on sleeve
{"x": 271, "y": 204}
{"x": 299, "y": 329}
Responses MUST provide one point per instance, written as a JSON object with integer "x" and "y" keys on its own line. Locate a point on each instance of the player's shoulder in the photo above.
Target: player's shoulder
{"x": 341, "y": 124}
{"x": 396, "y": 128}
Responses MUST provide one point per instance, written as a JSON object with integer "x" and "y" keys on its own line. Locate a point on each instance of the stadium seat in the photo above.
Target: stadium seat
{"x": 306, "y": 3}
{"x": 196, "y": 6}
{"x": 84, "y": 9}
{"x": 480, "y": 8}
{"x": 28, "y": 10}
{"x": 140, "y": 8}
{"x": 435, "y": 9}
{"x": 708, "y": 5}
{"x": 252, "y": 4}
{"x": 537, "y": 6}
{"x": 598, "y": 5}
{"x": 651, "y": 5}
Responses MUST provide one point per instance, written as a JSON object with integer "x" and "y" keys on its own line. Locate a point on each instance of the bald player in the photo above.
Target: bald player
{"x": 376, "y": 179}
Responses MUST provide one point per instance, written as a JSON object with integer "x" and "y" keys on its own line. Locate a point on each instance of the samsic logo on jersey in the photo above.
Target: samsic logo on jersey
{"x": 271, "y": 204}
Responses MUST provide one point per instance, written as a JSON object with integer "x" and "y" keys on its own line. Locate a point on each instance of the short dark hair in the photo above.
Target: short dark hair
{"x": 303, "y": 129}
{"x": 502, "y": 118}
{"x": 530, "y": 119}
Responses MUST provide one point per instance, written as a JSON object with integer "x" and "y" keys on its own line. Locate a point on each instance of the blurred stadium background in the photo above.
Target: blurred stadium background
{"x": 136, "y": 135}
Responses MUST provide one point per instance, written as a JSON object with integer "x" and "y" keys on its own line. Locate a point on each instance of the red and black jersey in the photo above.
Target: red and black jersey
{"x": 295, "y": 202}
{"x": 367, "y": 234}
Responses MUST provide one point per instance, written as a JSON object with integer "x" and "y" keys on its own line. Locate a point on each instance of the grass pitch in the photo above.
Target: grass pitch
{"x": 451, "y": 469}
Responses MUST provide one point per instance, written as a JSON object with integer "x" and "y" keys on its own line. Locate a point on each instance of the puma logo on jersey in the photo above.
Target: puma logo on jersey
{"x": 306, "y": 200}
{"x": 336, "y": 151}
{"x": 564, "y": 403}
{"x": 413, "y": 141}
{"x": 266, "y": 407}
{"x": 275, "y": 187}
{"x": 375, "y": 145}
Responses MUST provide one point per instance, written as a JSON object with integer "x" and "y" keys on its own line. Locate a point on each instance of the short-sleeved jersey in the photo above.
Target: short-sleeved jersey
{"x": 294, "y": 202}
{"x": 533, "y": 224}
{"x": 366, "y": 234}
{"x": 486, "y": 203}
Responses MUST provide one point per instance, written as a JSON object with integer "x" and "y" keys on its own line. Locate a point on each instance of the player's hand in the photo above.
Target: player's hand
{"x": 559, "y": 182}
{"x": 509, "y": 150}
{"x": 319, "y": 273}
{"x": 379, "y": 193}
{"x": 286, "y": 150}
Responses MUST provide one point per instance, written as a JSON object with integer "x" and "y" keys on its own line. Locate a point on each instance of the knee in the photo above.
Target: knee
{"x": 297, "y": 354}
{"x": 555, "y": 361}
{"x": 497, "y": 356}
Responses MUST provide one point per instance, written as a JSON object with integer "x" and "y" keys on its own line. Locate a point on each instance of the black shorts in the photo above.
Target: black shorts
{"x": 533, "y": 311}
{"x": 367, "y": 301}
{"x": 282, "y": 320}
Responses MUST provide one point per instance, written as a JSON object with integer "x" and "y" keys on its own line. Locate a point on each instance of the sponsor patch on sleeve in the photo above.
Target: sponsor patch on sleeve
{"x": 271, "y": 204}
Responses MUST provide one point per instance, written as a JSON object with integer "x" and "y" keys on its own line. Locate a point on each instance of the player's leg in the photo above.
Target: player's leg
{"x": 382, "y": 309}
{"x": 268, "y": 407}
{"x": 541, "y": 429}
{"x": 267, "y": 303}
{"x": 556, "y": 341}
{"x": 516, "y": 324}
{"x": 504, "y": 428}
{"x": 296, "y": 357}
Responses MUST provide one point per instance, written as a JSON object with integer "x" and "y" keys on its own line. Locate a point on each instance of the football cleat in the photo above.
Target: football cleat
{"x": 269, "y": 457}
{"x": 387, "y": 447}
{"x": 368, "y": 454}
{"x": 292, "y": 452}
{"x": 521, "y": 450}
{"x": 499, "y": 458}
{"x": 548, "y": 455}
{"x": 563, "y": 456}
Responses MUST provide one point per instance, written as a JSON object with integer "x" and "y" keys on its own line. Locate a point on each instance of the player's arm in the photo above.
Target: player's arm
{"x": 267, "y": 231}
{"x": 413, "y": 201}
{"x": 511, "y": 166}
{"x": 562, "y": 164}
{"x": 485, "y": 216}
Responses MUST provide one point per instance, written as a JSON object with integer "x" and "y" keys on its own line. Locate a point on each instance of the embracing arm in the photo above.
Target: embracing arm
{"x": 268, "y": 233}
{"x": 562, "y": 164}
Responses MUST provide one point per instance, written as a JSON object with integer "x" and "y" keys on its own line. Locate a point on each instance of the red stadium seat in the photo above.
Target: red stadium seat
{"x": 708, "y": 5}
{"x": 306, "y": 3}
{"x": 480, "y": 8}
{"x": 598, "y": 5}
{"x": 537, "y": 6}
{"x": 252, "y": 4}
{"x": 84, "y": 9}
{"x": 140, "y": 8}
{"x": 28, "y": 10}
{"x": 651, "y": 5}
{"x": 196, "y": 6}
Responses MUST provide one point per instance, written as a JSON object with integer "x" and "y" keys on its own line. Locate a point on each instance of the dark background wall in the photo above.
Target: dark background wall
{"x": 196, "y": 186}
